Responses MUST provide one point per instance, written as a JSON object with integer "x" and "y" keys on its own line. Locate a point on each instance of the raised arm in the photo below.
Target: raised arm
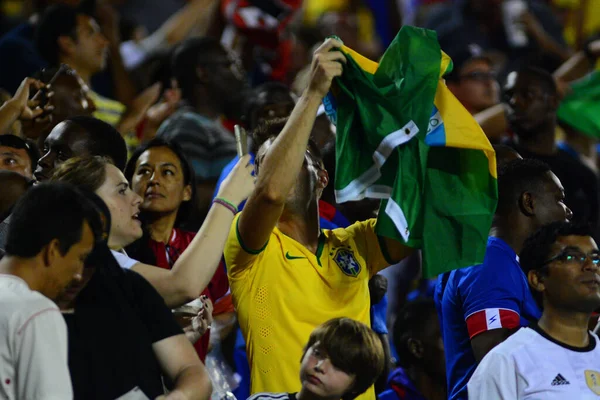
{"x": 279, "y": 168}
{"x": 19, "y": 106}
{"x": 195, "y": 267}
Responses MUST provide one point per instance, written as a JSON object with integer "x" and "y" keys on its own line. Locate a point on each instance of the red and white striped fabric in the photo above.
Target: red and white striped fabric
{"x": 491, "y": 318}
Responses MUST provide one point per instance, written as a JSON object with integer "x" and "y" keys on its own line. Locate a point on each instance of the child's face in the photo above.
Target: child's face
{"x": 320, "y": 377}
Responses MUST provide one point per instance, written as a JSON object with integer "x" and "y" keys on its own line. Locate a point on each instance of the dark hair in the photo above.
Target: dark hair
{"x": 543, "y": 78}
{"x": 538, "y": 247}
{"x": 504, "y": 155}
{"x": 353, "y": 348}
{"x": 517, "y": 177}
{"x": 187, "y": 56}
{"x": 16, "y": 142}
{"x": 88, "y": 173}
{"x": 187, "y": 207}
{"x": 58, "y": 20}
{"x": 254, "y": 101}
{"x": 411, "y": 323}
{"x": 105, "y": 140}
{"x": 46, "y": 212}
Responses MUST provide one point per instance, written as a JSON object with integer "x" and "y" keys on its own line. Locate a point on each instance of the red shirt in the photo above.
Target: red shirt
{"x": 166, "y": 255}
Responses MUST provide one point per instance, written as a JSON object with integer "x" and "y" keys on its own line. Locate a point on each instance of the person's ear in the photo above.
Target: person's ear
{"x": 51, "y": 253}
{"x": 416, "y": 348}
{"x": 527, "y": 204}
{"x": 536, "y": 281}
{"x": 66, "y": 45}
{"x": 323, "y": 179}
{"x": 187, "y": 193}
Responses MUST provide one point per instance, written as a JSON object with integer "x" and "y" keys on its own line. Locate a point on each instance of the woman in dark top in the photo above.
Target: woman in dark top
{"x": 121, "y": 334}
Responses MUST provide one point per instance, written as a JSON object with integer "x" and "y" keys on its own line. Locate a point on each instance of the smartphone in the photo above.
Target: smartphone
{"x": 241, "y": 140}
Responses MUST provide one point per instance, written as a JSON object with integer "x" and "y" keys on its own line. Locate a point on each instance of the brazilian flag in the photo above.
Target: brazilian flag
{"x": 404, "y": 138}
{"x": 581, "y": 107}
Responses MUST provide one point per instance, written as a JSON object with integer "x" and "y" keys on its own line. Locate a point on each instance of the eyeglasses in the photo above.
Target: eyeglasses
{"x": 570, "y": 256}
{"x": 479, "y": 76}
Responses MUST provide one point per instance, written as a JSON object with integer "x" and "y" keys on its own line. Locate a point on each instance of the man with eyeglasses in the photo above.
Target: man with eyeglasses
{"x": 473, "y": 80}
{"x": 530, "y": 101}
{"x": 211, "y": 80}
{"x": 558, "y": 358}
{"x": 480, "y": 306}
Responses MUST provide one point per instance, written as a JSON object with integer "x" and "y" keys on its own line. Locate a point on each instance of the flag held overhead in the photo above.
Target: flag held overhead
{"x": 404, "y": 138}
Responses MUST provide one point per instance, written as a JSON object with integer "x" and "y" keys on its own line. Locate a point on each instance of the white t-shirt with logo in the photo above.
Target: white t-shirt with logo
{"x": 33, "y": 345}
{"x": 531, "y": 365}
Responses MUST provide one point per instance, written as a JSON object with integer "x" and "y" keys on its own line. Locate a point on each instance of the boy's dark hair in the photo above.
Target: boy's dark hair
{"x": 538, "y": 247}
{"x": 58, "y": 20}
{"x": 187, "y": 56}
{"x": 50, "y": 211}
{"x": 189, "y": 178}
{"x": 411, "y": 323}
{"x": 352, "y": 347}
{"x": 516, "y": 177}
{"x": 105, "y": 140}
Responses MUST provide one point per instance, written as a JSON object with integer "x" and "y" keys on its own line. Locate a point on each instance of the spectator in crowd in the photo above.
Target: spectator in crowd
{"x": 79, "y": 137}
{"x": 34, "y": 271}
{"x": 481, "y": 21}
{"x": 18, "y": 46}
{"x": 209, "y": 78}
{"x": 276, "y": 252}
{"x": 479, "y": 306}
{"x": 473, "y": 79}
{"x": 161, "y": 175}
{"x": 341, "y": 360}
{"x": 70, "y": 98}
{"x": 106, "y": 363}
{"x": 418, "y": 342}
{"x": 530, "y": 100}
{"x": 558, "y": 357}
{"x": 14, "y": 185}
{"x": 193, "y": 270}
{"x": 18, "y": 155}
{"x": 68, "y": 35}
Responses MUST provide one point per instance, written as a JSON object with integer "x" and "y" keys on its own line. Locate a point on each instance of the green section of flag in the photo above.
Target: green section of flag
{"x": 435, "y": 198}
{"x": 581, "y": 108}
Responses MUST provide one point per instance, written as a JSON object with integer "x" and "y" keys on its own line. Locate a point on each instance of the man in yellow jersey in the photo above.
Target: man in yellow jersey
{"x": 286, "y": 275}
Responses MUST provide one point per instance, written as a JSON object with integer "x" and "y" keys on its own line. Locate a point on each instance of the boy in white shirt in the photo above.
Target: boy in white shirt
{"x": 54, "y": 228}
{"x": 558, "y": 358}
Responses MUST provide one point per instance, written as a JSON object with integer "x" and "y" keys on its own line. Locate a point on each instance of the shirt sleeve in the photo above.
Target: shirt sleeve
{"x": 124, "y": 260}
{"x": 493, "y": 294}
{"x": 42, "y": 370}
{"x": 369, "y": 245}
{"x": 239, "y": 258}
{"x": 494, "y": 379}
{"x": 153, "y": 311}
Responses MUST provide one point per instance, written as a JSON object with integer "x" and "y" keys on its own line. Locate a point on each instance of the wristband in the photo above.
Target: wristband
{"x": 227, "y": 204}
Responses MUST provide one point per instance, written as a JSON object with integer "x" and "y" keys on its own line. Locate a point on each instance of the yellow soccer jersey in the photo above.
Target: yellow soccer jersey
{"x": 284, "y": 292}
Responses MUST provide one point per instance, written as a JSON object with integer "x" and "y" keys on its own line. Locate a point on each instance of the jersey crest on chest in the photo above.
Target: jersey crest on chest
{"x": 346, "y": 261}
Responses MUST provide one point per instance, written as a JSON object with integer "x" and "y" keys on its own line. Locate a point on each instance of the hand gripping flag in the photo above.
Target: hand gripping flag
{"x": 404, "y": 138}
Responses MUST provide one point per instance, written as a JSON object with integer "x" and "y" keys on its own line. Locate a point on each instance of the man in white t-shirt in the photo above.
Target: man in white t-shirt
{"x": 53, "y": 229}
{"x": 558, "y": 358}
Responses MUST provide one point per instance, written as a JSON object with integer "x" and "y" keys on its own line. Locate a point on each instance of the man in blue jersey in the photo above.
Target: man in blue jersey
{"x": 480, "y": 306}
